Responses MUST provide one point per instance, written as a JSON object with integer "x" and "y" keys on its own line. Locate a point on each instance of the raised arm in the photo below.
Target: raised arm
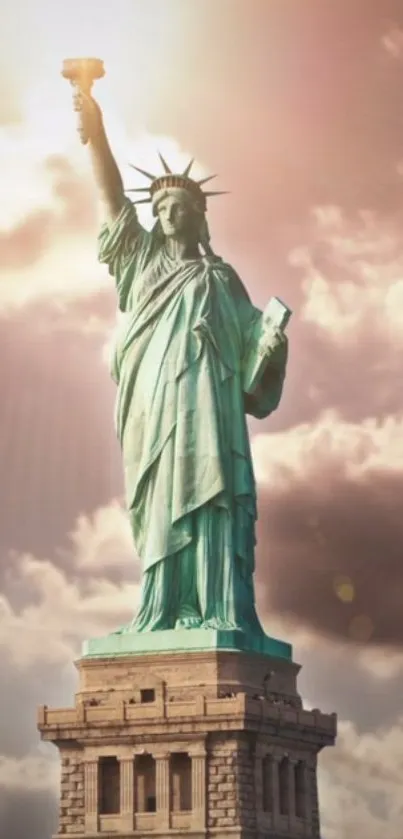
{"x": 107, "y": 176}
{"x": 123, "y": 244}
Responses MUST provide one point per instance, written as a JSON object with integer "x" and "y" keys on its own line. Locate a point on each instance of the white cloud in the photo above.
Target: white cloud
{"x": 360, "y": 784}
{"x": 352, "y": 275}
{"x": 62, "y": 613}
{"x": 66, "y": 272}
{"x": 352, "y": 449}
{"x": 381, "y": 663}
{"x": 103, "y": 540}
{"x": 67, "y": 269}
{"x": 392, "y": 42}
{"x": 66, "y": 608}
{"x": 33, "y": 772}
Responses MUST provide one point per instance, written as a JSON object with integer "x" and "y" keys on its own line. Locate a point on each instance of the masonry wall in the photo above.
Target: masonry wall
{"x": 72, "y": 806}
{"x": 222, "y": 782}
{"x": 313, "y": 787}
{"x": 237, "y": 748}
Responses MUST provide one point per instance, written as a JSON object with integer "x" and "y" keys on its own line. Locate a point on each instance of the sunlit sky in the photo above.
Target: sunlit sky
{"x": 298, "y": 108}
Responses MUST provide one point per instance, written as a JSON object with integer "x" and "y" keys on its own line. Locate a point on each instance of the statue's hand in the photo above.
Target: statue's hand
{"x": 90, "y": 123}
{"x": 272, "y": 338}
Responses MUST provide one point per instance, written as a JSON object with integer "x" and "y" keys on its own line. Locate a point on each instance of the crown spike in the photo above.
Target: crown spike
{"x": 185, "y": 173}
{"x": 204, "y": 180}
{"x": 139, "y": 189}
{"x": 217, "y": 192}
{"x": 167, "y": 170}
{"x": 141, "y": 200}
{"x": 143, "y": 172}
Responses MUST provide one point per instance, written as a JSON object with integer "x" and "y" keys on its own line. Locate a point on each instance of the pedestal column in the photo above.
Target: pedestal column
{"x": 264, "y": 787}
{"x": 311, "y": 799}
{"x": 198, "y": 789}
{"x": 292, "y": 762}
{"x": 162, "y": 789}
{"x": 307, "y": 799}
{"x": 91, "y": 784}
{"x": 259, "y": 780}
{"x": 275, "y": 786}
{"x": 126, "y": 792}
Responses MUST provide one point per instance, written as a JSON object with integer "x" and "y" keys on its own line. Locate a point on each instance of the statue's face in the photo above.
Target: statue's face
{"x": 175, "y": 215}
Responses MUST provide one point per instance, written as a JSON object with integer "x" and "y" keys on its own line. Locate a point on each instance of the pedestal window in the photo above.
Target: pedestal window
{"x": 109, "y": 785}
{"x": 181, "y": 782}
{"x": 145, "y": 784}
{"x": 267, "y": 784}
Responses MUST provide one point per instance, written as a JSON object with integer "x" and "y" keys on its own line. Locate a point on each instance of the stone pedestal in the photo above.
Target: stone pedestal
{"x": 209, "y": 744}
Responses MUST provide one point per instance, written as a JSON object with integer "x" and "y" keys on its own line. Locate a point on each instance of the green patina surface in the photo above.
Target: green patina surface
{"x": 178, "y": 640}
{"x": 188, "y": 336}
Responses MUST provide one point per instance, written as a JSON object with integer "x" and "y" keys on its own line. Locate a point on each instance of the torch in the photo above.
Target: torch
{"x": 82, "y": 73}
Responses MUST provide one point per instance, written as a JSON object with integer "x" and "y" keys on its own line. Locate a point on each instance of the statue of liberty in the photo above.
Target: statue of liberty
{"x": 190, "y": 333}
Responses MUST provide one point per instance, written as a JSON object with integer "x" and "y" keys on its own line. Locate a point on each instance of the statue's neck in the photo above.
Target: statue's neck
{"x": 181, "y": 249}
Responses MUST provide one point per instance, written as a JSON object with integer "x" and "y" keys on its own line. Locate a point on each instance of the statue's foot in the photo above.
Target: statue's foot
{"x": 221, "y": 625}
{"x": 122, "y": 629}
{"x": 193, "y": 622}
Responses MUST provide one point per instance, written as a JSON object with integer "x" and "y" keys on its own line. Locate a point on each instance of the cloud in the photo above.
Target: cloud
{"x": 64, "y": 606}
{"x": 77, "y": 600}
{"x": 48, "y": 227}
{"x": 312, "y": 118}
{"x": 30, "y": 773}
{"x": 44, "y": 197}
{"x": 354, "y": 452}
{"x": 50, "y": 218}
{"x": 392, "y": 42}
{"x": 103, "y": 541}
{"x": 346, "y": 347}
{"x": 330, "y": 530}
{"x": 44, "y": 631}
{"x": 360, "y": 784}
{"x": 352, "y": 276}
{"x": 362, "y": 683}
{"x": 29, "y": 813}
{"x": 46, "y": 611}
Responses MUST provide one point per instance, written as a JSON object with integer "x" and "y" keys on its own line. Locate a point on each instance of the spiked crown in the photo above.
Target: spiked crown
{"x": 169, "y": 180}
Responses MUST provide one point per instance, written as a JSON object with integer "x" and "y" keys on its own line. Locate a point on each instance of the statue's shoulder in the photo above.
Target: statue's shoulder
{"x": 227, "y": 274}
{"x": 223, "y": 269}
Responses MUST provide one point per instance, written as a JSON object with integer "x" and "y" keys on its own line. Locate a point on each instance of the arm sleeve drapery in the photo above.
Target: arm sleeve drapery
{"x": 120, "y": 246}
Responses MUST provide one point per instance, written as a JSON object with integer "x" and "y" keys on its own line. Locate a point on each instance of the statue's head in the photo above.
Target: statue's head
{"x": 178, "y": 203}
{"x": 179, "y": 215}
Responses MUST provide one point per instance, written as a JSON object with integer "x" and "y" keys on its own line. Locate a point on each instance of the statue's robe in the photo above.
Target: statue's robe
{"x": 181, "y": 421}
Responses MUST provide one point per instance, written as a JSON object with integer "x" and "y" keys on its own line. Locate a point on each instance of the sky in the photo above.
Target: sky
{"x": 298, "y": 107}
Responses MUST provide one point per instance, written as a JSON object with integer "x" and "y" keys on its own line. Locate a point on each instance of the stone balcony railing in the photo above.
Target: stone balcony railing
{"x": 236, "y": 707}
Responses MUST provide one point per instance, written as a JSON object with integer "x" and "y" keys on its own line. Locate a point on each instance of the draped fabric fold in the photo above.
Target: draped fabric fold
{"x": 180, "y": 419}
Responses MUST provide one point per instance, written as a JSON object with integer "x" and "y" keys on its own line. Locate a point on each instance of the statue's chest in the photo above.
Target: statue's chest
{"x": 148, "y": 277}
{"x": 163, "y": 273}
